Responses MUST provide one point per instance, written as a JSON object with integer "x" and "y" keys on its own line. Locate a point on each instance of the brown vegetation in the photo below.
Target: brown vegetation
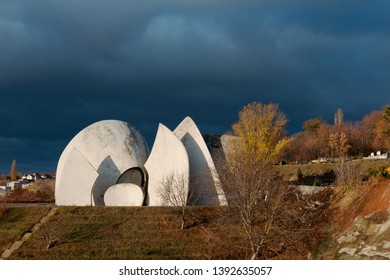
{"x": 41, "y": 191}
{"x": 141, "y": 233}
{"x": 174, "y": 192}
{"x": 215, "y": 232}
{"x": 260, "y": 202}
{"x": 378, "y": 198}
{"x": 357, "y": 139}
{"x": 266, "y": 209}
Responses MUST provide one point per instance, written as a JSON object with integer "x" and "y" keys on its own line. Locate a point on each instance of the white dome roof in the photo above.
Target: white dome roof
{"x": 95, "y": 158}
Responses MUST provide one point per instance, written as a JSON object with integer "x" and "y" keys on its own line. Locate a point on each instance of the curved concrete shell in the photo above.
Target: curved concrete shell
{"x": 94, "y": 160}
{"x": 205, "y": 182}
{"x": 80, "y": 174}
{"x": 125, "y": 194}
{"x": 228, "y": 144}
{"x": 168, "y": 158}
{"x": 137, "y": 176}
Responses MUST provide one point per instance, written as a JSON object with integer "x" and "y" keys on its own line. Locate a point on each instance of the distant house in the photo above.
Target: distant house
{"x": 34, "y": 176}
{"x": 23, "y": 183}
{"x": 12, "y": 184}
{"x": 378, "y": 155}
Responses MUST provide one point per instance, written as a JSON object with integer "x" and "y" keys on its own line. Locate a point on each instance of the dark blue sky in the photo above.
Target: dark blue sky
{"x": 67, "y": 64}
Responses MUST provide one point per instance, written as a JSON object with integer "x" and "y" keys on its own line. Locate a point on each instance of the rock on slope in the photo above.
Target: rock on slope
{"x": 368, "y": 236}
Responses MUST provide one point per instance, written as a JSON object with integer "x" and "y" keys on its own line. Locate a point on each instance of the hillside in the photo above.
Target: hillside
{"x": 361, "y": 224}
{"x": 340, "y": 224}
{"x": 127, "y": 233}
{"x": 365, "y": 167}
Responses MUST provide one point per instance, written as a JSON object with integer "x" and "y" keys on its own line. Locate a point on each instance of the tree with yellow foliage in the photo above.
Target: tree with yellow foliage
{"x": 261, "y": 133}
{"x": 257, "y": 198}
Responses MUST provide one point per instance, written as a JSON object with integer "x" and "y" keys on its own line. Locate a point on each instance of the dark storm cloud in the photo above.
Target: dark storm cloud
{"x": 66, "y": 64}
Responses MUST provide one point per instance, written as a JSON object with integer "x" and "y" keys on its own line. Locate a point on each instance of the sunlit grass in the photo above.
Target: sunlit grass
{"x": 16, "y": 221}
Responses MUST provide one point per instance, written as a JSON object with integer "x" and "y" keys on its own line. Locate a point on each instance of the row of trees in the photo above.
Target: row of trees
{"x": 355, "y": 139}
{"x": 267, "y": 210}
{"x": 265, "y": 205}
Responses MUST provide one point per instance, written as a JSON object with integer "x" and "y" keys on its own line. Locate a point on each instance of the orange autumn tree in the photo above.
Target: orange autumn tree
{"x": 382, "y": 130}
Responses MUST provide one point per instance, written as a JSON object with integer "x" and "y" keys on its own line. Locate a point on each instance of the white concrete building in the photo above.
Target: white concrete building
{"x": 168, "y": 158}
{"x": 94, "y": 160}
{"x": 108, "y": 163}
{"x": 204, "y": 177}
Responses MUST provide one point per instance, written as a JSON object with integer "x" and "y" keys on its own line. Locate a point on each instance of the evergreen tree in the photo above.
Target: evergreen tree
{"x": 339, "y": 117}
{"x": 14, "y": 171}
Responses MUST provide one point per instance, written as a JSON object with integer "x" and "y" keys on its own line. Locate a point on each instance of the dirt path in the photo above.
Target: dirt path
{"x": 16, "y": 245}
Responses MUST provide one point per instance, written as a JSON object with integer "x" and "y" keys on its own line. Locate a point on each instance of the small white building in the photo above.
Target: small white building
{"x": 23, "y": 183}
{"x": 12, "y": 184}
{"x": 378, "y": 155}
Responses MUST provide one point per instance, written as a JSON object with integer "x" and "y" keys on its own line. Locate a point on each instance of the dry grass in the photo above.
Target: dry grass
{"x": 154, "y": 232}
{"x": 366, "y": 166}
{"x": 360, "y": 200}
{"x": 119, "y": 233}
{"x": 112, "y": 233}
{"x": 14, "y": 222}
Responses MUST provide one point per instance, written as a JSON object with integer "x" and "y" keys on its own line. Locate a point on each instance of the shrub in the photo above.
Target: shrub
{"x": 299, "y": 175}
{"x": 348, "y": 175}
{"x": 384, "y": 172}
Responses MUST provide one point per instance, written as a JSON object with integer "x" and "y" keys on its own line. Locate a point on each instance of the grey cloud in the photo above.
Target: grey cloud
{"x": 66, "y": 64}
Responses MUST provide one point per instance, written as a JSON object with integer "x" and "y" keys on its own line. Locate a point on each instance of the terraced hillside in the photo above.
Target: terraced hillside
{"x": 130, "y": 233}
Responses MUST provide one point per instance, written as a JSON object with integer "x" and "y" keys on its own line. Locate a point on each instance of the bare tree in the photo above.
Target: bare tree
{"x": 348, "y": 176}
{"x": 50, "y": 235}
{"x": 263, "y": 205}
{"x": 174, "y": 192}
{"x": 257, "y": 198}
{"x": 339, "y": 144}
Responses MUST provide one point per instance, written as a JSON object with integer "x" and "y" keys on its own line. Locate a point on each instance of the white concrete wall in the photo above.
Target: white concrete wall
{"x": 167, "y": 158}
{"x": 204, "y": 177}
{"x": 74, "y": 186}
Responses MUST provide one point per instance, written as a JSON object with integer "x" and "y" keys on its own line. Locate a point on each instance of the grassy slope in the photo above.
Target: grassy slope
{"x": 131, "y": 233}
{"x": 150, "y": 232}
{"x": 290, "y": 170}
{"x": 14, "y": 222}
